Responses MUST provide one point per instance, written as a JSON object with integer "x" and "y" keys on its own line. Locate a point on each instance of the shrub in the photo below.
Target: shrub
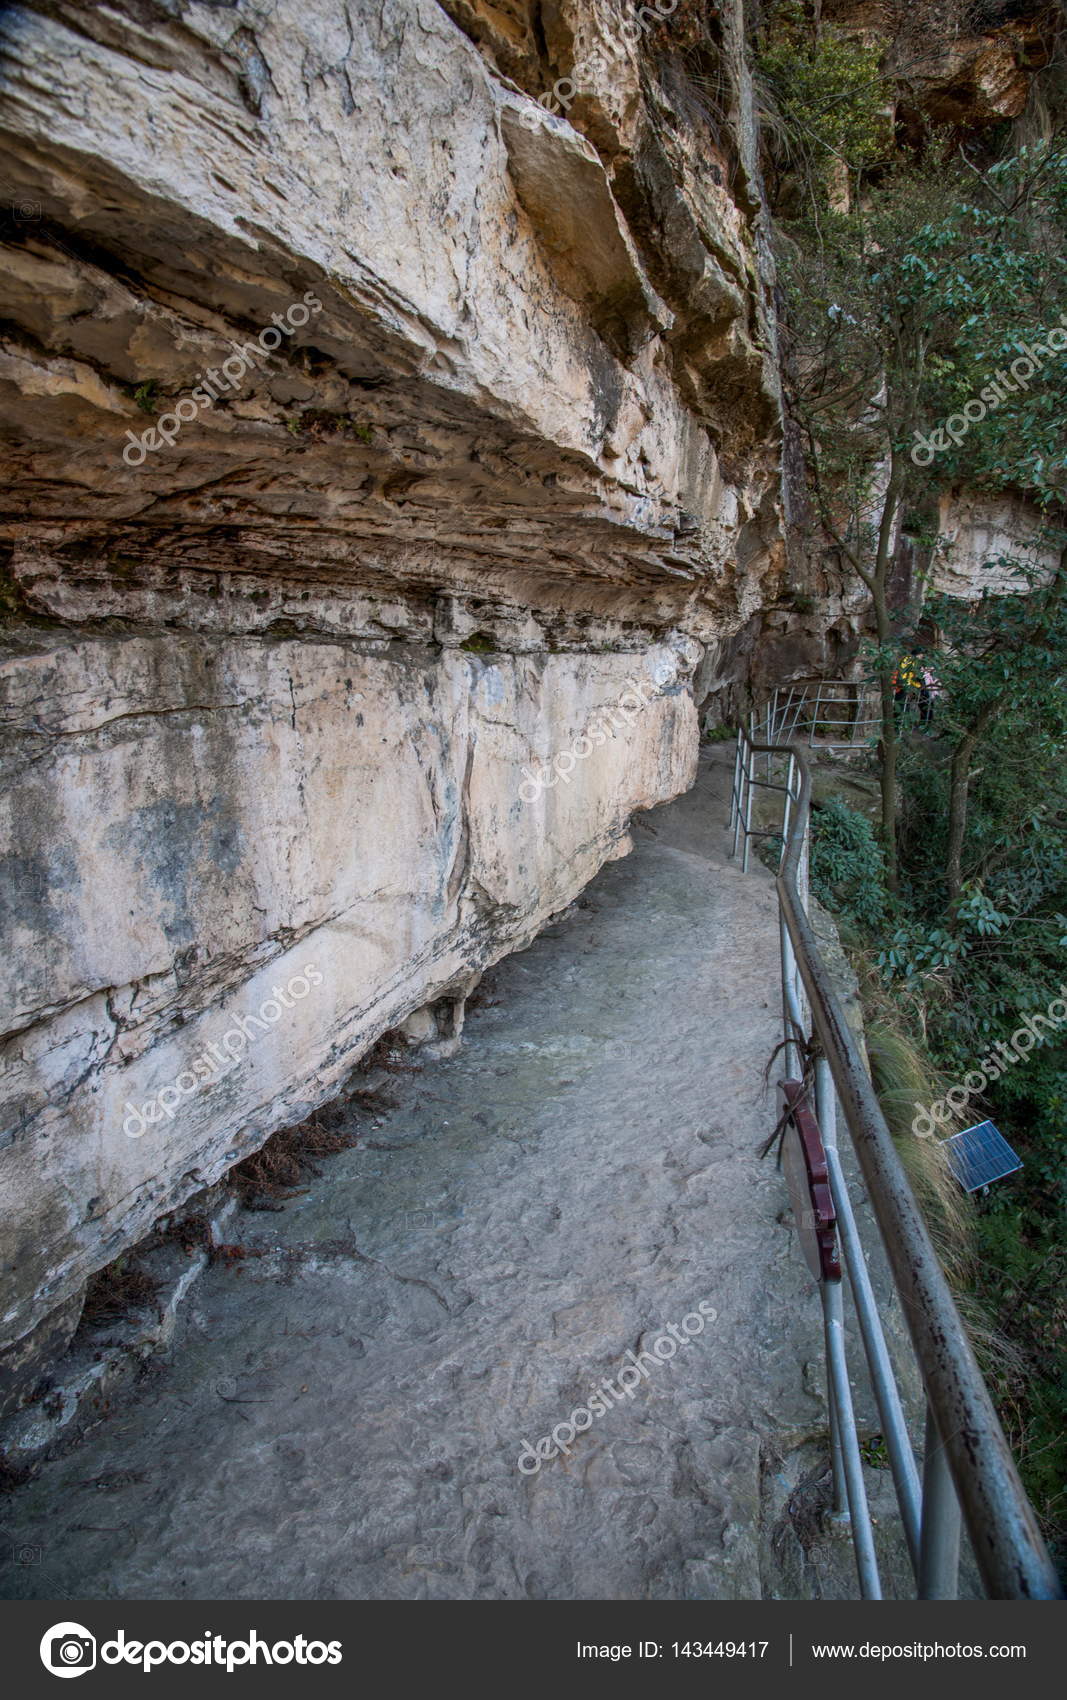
{"x": 847, "y": 867}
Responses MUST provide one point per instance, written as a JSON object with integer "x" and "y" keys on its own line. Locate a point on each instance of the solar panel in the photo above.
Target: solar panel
{"x": 980, "y": 1154}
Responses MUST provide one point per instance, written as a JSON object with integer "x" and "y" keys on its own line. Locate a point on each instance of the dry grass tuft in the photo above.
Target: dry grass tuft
{"x": 272, "y": 1174}
{"x": 113, "y": 1293}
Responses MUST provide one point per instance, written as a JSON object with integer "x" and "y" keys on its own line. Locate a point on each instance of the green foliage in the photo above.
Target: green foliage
{"x": 875, "y": 1452}
{"x": 321, "y": 424}
{"x": 12, "y": 600}
{"x": 825, "y": 99}
{"x": 993, "y": 265}
{"x": 1000, "y": 944}
{"x": 800, "y": 601}
{"x": 908, "y": 301}
{"x": 1022, "y": 1246}
{"x": 902, "y": 311}
{"x": 947, "y": 986}
{"x": 914, "y": 950}
{"x": 966, "y": 974}
{"x": 846, "y": 863}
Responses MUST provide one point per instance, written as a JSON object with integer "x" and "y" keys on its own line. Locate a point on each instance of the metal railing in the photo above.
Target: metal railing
{"x": 831, "y": 714}
{"x": 966, "y": 1464}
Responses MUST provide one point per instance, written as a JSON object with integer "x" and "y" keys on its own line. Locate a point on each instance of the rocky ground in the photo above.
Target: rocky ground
{"x": 344, "y": 1407}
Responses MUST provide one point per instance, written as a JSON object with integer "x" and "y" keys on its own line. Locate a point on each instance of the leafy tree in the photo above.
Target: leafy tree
{"x": 892, "y": 309}
{"x": 1005, "y": 660}
{"x": 911, "y": 311}
{"x": 824, "y": 106}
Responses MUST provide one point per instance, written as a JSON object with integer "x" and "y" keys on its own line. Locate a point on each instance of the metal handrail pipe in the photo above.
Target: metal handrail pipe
{"x": 939, "y": 1556}
{"x": 1012, "y": 1557}
{"x": 883, "y": 1383}
{"x": 848, "y": 1441}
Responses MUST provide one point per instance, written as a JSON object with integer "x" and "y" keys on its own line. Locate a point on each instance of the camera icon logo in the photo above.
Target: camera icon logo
{"x": 68, "y": 1649}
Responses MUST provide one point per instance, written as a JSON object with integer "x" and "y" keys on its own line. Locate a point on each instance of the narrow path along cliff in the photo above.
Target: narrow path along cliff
{"x": 344, "y": 1412}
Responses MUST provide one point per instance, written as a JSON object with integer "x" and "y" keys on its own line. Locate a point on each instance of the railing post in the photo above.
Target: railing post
{"x": 825, "y": 1104}
{"x": 833, "y": 1294}
{"x": 750, "y": 775}
{"x": 787, "y": 805}
{"x": 939, "y": 1545}
{"x": 846, "y": 1454}
{"x": 803, "y": 870}
{"x": 792, "y": 1012}
{"x": 792, "y": 1069}
{"x": 735, "y": 799}
{"x": 883, "y": 1382}
{"x": 833, "y": 1317}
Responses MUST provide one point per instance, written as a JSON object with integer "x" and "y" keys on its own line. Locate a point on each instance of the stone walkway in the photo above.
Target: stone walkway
{"x": 343, "y": 1413}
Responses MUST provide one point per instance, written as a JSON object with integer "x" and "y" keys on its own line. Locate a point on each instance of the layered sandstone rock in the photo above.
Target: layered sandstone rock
{"x": 994, "y": 545}
{"x": 960, "y": 63}
{"x": 272, "y": 678}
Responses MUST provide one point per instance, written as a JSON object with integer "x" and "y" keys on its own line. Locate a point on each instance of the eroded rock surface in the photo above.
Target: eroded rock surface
{"x": 344, "y": 1417}
{"x": 990, "y": 545}
{"x": 462, "y": 423}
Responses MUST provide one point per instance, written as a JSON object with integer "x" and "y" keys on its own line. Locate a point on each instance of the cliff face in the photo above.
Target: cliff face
{"x": 370, "y": 441}
{"x": 980, "y": 540}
